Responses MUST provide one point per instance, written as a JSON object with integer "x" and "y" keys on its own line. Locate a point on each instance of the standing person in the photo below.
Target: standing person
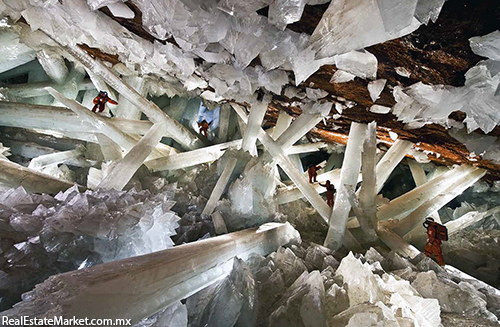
{"x": 313, "y": 173}
{"x": 100, "y": 101}
{"x": 435, "y": 234}
{"x": 330, "y": 192}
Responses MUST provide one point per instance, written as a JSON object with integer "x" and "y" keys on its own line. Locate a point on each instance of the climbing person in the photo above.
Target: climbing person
{"x": 203, "y": 126}
{"x": 330, "y": 192}
{"x": 100, "y": 101}
{"x": 312, "y": 171}
{"x": 436, "y": 233}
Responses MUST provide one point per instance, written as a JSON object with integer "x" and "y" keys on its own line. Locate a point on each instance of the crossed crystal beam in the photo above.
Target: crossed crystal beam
{"x": 178, "y": 132}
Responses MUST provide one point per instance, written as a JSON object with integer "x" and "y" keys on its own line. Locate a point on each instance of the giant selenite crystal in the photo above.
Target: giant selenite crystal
{"x": 143, "y": 285}
{"x": 123, "y": 171}
{"x": 348, "y": 177}
{"x": 355, "y": 24}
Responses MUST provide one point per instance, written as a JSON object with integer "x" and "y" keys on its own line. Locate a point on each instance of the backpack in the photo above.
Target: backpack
{"x": 441, "y": 231}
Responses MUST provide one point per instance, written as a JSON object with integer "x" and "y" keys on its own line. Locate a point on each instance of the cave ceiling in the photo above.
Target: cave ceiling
{"x": 437, "y": 53}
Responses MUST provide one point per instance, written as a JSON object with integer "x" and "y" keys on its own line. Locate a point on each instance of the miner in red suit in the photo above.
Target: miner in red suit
{"x": 203, "y": 126}
{"x": 100, "y": 101}
{"x": 435, "y": 234}
{"x": 312, "y": 171}
{"x": 330, "y": 193}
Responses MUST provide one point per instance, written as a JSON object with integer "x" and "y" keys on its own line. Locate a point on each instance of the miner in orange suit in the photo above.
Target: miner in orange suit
{"x": 436, "y": 233}
{"x": 313, "y": 173}
{"x": 203, "y": 126}
{"x": 100, "y": 101}
{"x": 330, "y": 193}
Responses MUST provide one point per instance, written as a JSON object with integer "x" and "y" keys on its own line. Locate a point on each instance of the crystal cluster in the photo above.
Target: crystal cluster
{"x": 227, "y": 35}
{"x": 421, "y": 104}
{"x": 305, "y": 286}
{"x": 44, "y": 235}
{"x": 351, "y": 25}
{"x": 250, "y": 197}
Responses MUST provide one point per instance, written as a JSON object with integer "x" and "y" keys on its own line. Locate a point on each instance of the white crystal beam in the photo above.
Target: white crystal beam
{"x": 33, "y": 150}
{"x": 110, "y": 150}
{"x": 367, "y": 191}
{"x": 160, "y": 151}
{"x": 400, "y": 206}
{"x": 348, "y": 176}
{"x": 177, "y": 131}
{"x": 303, "y": 124}
{"x": 295, "y": 159}
{"x": 36, "y": 89}
{"x": 242, "y": 127}
{"x": 123, "y": 171}
{"x": 16, "y": 175}
{"x": 125, "y": 108}
{"x": 417, "y": 172}
{"x": 191, "y": 158}
{"x": 60, "y": 119}
{"x": 225, "y": 115}
{"x": 22, "y": 115}
{"x": 397, "y": 243}
{"x": 417, "y": 217}
{"x": 289, "y": 168}
{"x": 467, "y": 220}
{"x": 420, "y": 178}
{"x": 390, "y": 160}
{"x": 366, "y": 224}
{"x": 55, "y": 158}
{"x": 138, "y": 287}
{"x": 255, "y": 118}
{"x": 305, "y": 148}
{"x": 111, "y": 131}
{"x": 297, "y": 178}
{"x": 220, "y": 186}
{"x": 282, "y": 124}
